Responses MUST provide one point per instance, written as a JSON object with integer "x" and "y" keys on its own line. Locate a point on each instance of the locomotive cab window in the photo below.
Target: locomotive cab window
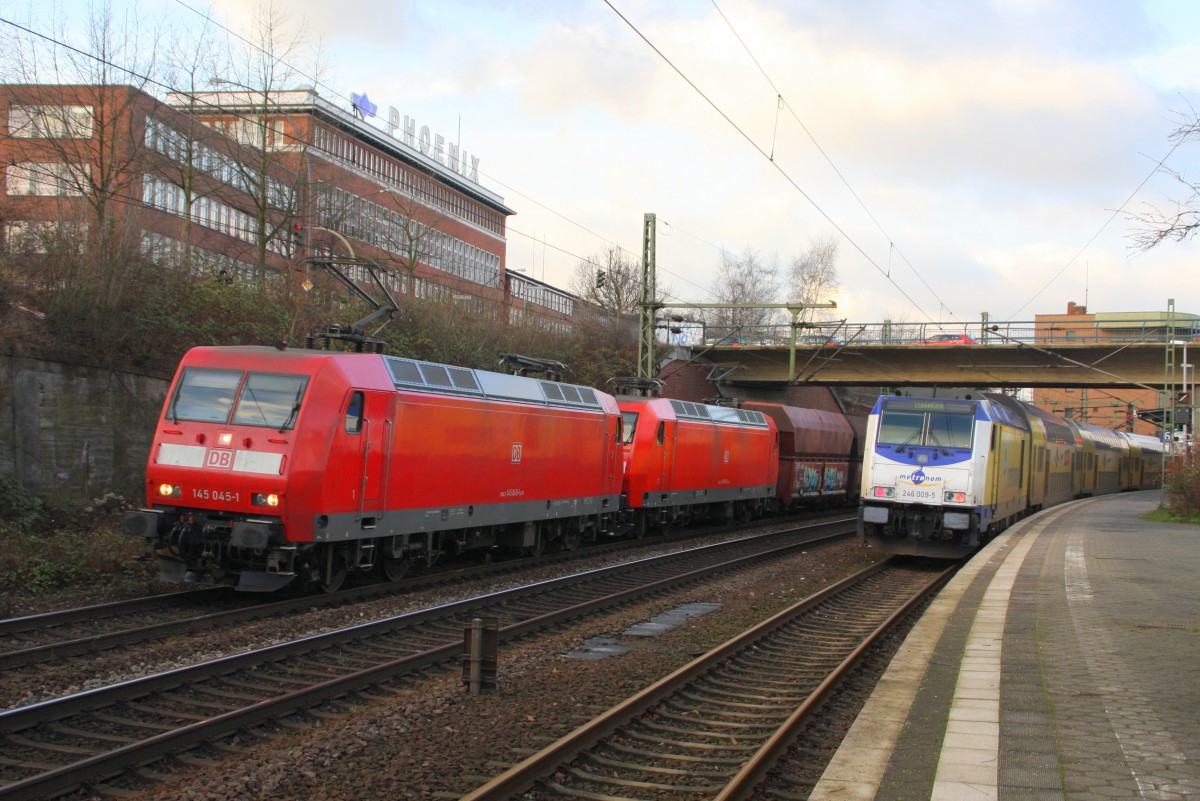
{"x": 950, "y": 430}
{"x": 354, "y": 413}
{"x": 906, "y": 424}
{"x": 205, "y": 395}
{"x": 271, "y": 400}
{"x": 629, "y": 425}
{"x": 900, "y": 428}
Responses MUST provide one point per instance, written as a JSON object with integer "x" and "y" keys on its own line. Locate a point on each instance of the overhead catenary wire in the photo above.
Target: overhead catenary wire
{"x": 1104, "y": 225}
{"x": 782, "y": 103}
{"x": 775, "y": 164}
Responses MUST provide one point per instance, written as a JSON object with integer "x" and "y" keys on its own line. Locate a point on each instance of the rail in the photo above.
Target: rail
{"x": 169, "y": 712}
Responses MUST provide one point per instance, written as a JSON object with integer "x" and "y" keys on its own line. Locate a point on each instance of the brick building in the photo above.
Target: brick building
{"x": 1112, "y": 408}
{"x": 250, "y": 183}
{"x": 103, "y": 168}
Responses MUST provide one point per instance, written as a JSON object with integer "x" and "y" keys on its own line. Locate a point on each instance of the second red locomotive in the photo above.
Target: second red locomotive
{"x": 686, "y": 461}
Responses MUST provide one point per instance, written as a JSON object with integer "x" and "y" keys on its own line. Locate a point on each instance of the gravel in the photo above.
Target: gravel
{"x": 430, "y": 739}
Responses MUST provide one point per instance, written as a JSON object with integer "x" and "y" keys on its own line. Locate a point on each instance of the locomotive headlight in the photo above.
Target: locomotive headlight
{"x": 883, "y": 492}
{"x": 170, "y": 490}
{"x": 954, "y": 497}
{"x": 265, "y": 499}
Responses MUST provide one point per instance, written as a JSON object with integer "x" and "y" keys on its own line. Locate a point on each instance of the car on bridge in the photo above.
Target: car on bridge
{"x": 817, "y": 339}
{"x": 948, "y": 339}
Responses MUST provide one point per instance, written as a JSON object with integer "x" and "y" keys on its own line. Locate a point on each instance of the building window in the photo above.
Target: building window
{"x": 50, "y": 122}
{"x": 207, "y": 211}
{"x": 42, "y": 236}
{"x": 170, "y": 252}
{"x": 47, "y": 179}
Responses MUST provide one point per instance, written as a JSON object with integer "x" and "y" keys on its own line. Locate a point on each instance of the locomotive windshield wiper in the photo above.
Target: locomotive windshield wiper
{"x": 909, "y": 440}
{"x": 257, "y": 407}
{"x": 291, "y": 418}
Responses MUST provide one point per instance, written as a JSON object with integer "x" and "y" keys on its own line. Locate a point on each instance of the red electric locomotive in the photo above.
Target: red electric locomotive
{"x": 685, "y": 460}
{"x": 819, "y": 455}
{"x": 271, "y": 466}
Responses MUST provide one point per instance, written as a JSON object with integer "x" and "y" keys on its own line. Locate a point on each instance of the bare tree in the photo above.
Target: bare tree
{"x": 83, "y": 152}
{"x": 1184, "y": 221}
{"x": 745, "y": 280}
{"x": 87, "y": 151}
{"x": 611, "y": 281}
{"x": 191, "y": 65}
{"x": 262, "y": 70}
{"x": 813, "y": 277}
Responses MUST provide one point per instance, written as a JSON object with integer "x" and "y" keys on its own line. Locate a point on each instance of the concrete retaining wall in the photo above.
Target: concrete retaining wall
{"x": 70, "y": 434}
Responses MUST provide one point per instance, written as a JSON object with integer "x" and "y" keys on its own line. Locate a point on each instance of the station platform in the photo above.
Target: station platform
{"x": 1061, "y": 664}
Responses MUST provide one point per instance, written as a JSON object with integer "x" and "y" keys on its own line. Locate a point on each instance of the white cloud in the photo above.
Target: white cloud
{"x": 989, "y": 139}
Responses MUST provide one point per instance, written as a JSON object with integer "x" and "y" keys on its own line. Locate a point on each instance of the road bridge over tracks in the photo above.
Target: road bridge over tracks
{"x": 1000, "y": 356}
{"x": 961, "y": 366}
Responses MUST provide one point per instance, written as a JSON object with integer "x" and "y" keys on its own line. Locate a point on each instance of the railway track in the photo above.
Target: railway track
{"x": 87, "y": 738}
{"x": 715, "y": 727}
{"x": 55, "y": 636}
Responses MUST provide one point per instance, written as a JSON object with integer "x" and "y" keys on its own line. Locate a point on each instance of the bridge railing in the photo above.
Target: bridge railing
{"x": 895, "y": 333}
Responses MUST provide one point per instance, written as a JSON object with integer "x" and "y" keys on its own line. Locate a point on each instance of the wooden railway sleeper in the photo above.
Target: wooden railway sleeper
{"x": 780, "y": 694}
{"x": 193, "y": 761}
{"x": 193, "y": 703}
{"x": 89, "y": 735}
{"x": 54, "y": 748}
{"x": 708, "y": 700}
{"x": 166, "y": 713}
{"x": 262, "y": 691}
{"x": 148, "y": 725}
{"x": 25, "y": 764}
{"x": 725, "y": 724}
{"x": 375, "y": 652}
{"x": 328, "y": 715}
{"x": 152, "y": 775}
{"x": 625, "y": 748}
{"x": 222, "y": 692}
{"x": 634, "y": 767}
{"x": 715, "y": 706}
{"x": 571, "y": 792}
{"x": 339, "y": 663}
{"x": 707, "y": 731}
{"x": 735, "y": 677}
{"x": 275, "y": 677}
{"x": 691, "y": 746}
{"x": 610, "y": 781}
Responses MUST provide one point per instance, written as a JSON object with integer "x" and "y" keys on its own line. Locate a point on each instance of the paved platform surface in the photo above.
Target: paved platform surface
{"x": 1061, "y": 664}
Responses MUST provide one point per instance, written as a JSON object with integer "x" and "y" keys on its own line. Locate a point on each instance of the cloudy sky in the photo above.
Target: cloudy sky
{"x": 968, "y": 156}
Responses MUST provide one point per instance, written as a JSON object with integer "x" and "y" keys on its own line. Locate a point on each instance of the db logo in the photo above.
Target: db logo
{"x": 516, "y": 453}
{"x": 220, "y": 459}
